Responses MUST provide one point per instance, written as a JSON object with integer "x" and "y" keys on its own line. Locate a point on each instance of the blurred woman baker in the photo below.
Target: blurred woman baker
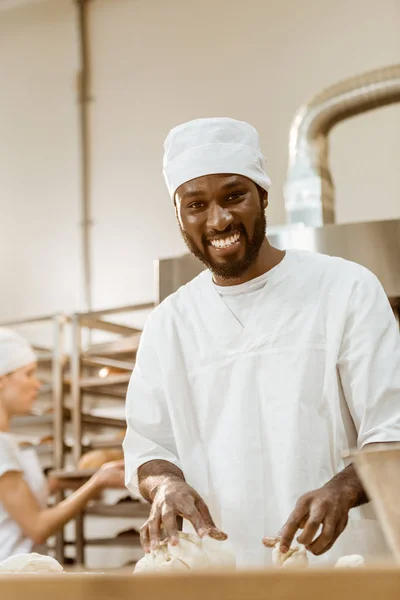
{"x": 25, "y": 519}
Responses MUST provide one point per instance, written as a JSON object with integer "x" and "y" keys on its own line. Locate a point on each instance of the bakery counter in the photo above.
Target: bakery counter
{"x": 333, "y": 584}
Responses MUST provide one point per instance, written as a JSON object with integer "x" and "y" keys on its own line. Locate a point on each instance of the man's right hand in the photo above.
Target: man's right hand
{"x": 173, "y": 498}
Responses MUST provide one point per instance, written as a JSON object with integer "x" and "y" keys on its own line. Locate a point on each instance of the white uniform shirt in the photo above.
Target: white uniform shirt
{"x": 12, "y": 458}
{"x": 257, "y": 415}
{"x": 241, "y": 298}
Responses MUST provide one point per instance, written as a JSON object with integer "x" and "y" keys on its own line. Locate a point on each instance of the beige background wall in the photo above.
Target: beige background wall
{"x": 157, "y": 63}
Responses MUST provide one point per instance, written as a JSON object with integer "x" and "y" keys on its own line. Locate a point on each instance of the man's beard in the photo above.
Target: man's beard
{"x": 231, "y": 268}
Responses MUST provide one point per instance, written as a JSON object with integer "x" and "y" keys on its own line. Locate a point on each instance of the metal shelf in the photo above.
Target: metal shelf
{"x": 96, "y": 445}
{"x": 126, "y": 345}
{"x": 129, "y": 541}
{"x": 118, "y": 356}
{"x": 136, "y": 510}
{"x": 108, "y": 391}
{"x": 29, "y": 420}
{"x": 126, "y": 541}
{"x": 89, "y": 419}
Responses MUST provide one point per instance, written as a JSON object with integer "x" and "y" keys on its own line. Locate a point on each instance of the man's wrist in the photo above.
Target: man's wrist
{"x": 160, "y": 480}
{"x": 348, "y": 485}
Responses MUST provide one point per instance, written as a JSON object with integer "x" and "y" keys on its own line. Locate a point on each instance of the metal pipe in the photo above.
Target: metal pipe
{"x": 57, "y": 391}
{"x": 75, "y": 390}
{"x": 76, "y": 401}
{"x": 58, "y": 404}
{"x": 309, "y": 188}
{"x": 84, "y": 99}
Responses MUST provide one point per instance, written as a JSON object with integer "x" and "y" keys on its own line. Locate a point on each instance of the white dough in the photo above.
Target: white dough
{"x": 219, "y": 554}
{"x": 159, "y": 561}
{"x": 352, "y": 560}
{"x": 30, "y": 563}
{"x": 296, "y": 557}
{"x": 192, "y": 553}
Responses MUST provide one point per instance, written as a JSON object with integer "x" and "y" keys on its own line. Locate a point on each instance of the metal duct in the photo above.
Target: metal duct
{"x": 309, "y": 189}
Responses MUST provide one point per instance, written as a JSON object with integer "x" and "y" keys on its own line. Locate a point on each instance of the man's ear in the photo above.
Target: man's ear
{"x": 177, "y": 212}
{"x": 2, "y": 381}
{"x": 265, "y": 200}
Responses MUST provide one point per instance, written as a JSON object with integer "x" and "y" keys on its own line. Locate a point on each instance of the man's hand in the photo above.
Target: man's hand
{"x": 328, "y": 507}
{"x": 320, "y": 507}
{"x": 174, "y": 497}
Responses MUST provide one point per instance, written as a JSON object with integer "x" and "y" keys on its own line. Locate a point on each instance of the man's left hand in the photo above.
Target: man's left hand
{"x": 327, "y": 506}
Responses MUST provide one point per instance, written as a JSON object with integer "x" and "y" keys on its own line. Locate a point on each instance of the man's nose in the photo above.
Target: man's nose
{"x": 219, "y": 217}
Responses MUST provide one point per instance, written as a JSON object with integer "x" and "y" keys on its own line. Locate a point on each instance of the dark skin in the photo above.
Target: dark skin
{"x": 210, "y": 209}
{"x": 328, "y": 506}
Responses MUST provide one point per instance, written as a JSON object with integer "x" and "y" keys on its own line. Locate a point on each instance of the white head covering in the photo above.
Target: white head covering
{"x": 15, "y": 352}
{"x": 211, "y": 146}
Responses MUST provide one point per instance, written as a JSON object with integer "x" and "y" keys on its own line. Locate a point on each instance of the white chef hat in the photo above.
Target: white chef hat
{"x": 15, "y": 352}
{"x": 211, "y": 146}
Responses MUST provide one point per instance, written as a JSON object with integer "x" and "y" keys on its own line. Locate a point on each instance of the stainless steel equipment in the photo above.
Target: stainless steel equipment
{"x": 375, "y": 245}
{"x": 309, "y": 190}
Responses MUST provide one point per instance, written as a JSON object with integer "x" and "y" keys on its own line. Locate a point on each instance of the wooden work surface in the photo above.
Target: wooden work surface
{"x": 335, "y": 584}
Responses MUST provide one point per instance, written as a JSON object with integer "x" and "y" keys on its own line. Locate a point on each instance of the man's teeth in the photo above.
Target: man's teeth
{"x": 226, "y": 242}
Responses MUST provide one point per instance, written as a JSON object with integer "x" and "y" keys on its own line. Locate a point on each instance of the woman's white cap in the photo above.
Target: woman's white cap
{"x": 211, "y": 146}
{"x": 15, "y": 352}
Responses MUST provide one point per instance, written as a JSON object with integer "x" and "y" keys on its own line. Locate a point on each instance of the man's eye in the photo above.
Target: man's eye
{"x": 195, "y": 205}
{"x": 235, "y": 196}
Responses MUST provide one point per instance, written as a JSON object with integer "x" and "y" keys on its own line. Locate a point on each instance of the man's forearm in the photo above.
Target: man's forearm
{"x": 154, "y": 473}
{"x": 350, "y": 485}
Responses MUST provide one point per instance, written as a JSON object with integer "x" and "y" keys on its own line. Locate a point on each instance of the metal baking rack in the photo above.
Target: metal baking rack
{"x": 101, "y": 369}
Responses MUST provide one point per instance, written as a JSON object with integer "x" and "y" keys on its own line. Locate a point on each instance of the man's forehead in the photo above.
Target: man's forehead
{"x": 221, "y": 181}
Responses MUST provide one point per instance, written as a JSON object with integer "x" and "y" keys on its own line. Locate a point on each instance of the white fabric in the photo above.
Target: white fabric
{"x": 210, "y": 146}
{"x": 12, "y": 458}
{"x": 256, "y": 416}
{"x": 15, "y": 352}
{"x": 241, "y": 298}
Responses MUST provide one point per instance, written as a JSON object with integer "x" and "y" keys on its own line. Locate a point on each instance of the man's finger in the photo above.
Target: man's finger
{"x": 311, "y": 525}
{"x": 326, "y": 537}
{"x": 205, "y": 514}
{"x": 145, "y": 538}
{"x": 322, "y": 547}
{"x": 291, "y": 526}
{"x": 217, "y": 534}
{"x": 154, "y": 528}
{"x": 169, "y": 520}
{"x": 270, "y": 542}
{"x": 202, "y": 528}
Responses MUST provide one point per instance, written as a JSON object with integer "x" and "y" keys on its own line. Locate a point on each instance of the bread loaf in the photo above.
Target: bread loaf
{"x": 96, "y": 458}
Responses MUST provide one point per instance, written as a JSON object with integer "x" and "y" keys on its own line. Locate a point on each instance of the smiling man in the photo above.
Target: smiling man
{"x": 252, "y": 379}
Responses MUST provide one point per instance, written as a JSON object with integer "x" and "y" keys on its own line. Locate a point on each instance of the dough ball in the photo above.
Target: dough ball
{"x": 220, "y": 555}
{"x": 352, "y": 560}
{"x": 296, "y": 557}
{"x": 30, "y": 563}
{"x": 192, "y": 553}
{"x": 157, "y": 562}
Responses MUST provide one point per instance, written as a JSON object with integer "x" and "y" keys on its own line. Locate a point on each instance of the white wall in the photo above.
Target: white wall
{"x": 39, "y": 244}
{"x": 157, "y": 63}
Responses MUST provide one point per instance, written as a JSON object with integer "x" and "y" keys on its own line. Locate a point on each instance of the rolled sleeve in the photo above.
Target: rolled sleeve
{"x": 369, "y": 363}
{"x": 149, "y": 433}
{"x": 8, "y": 454}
